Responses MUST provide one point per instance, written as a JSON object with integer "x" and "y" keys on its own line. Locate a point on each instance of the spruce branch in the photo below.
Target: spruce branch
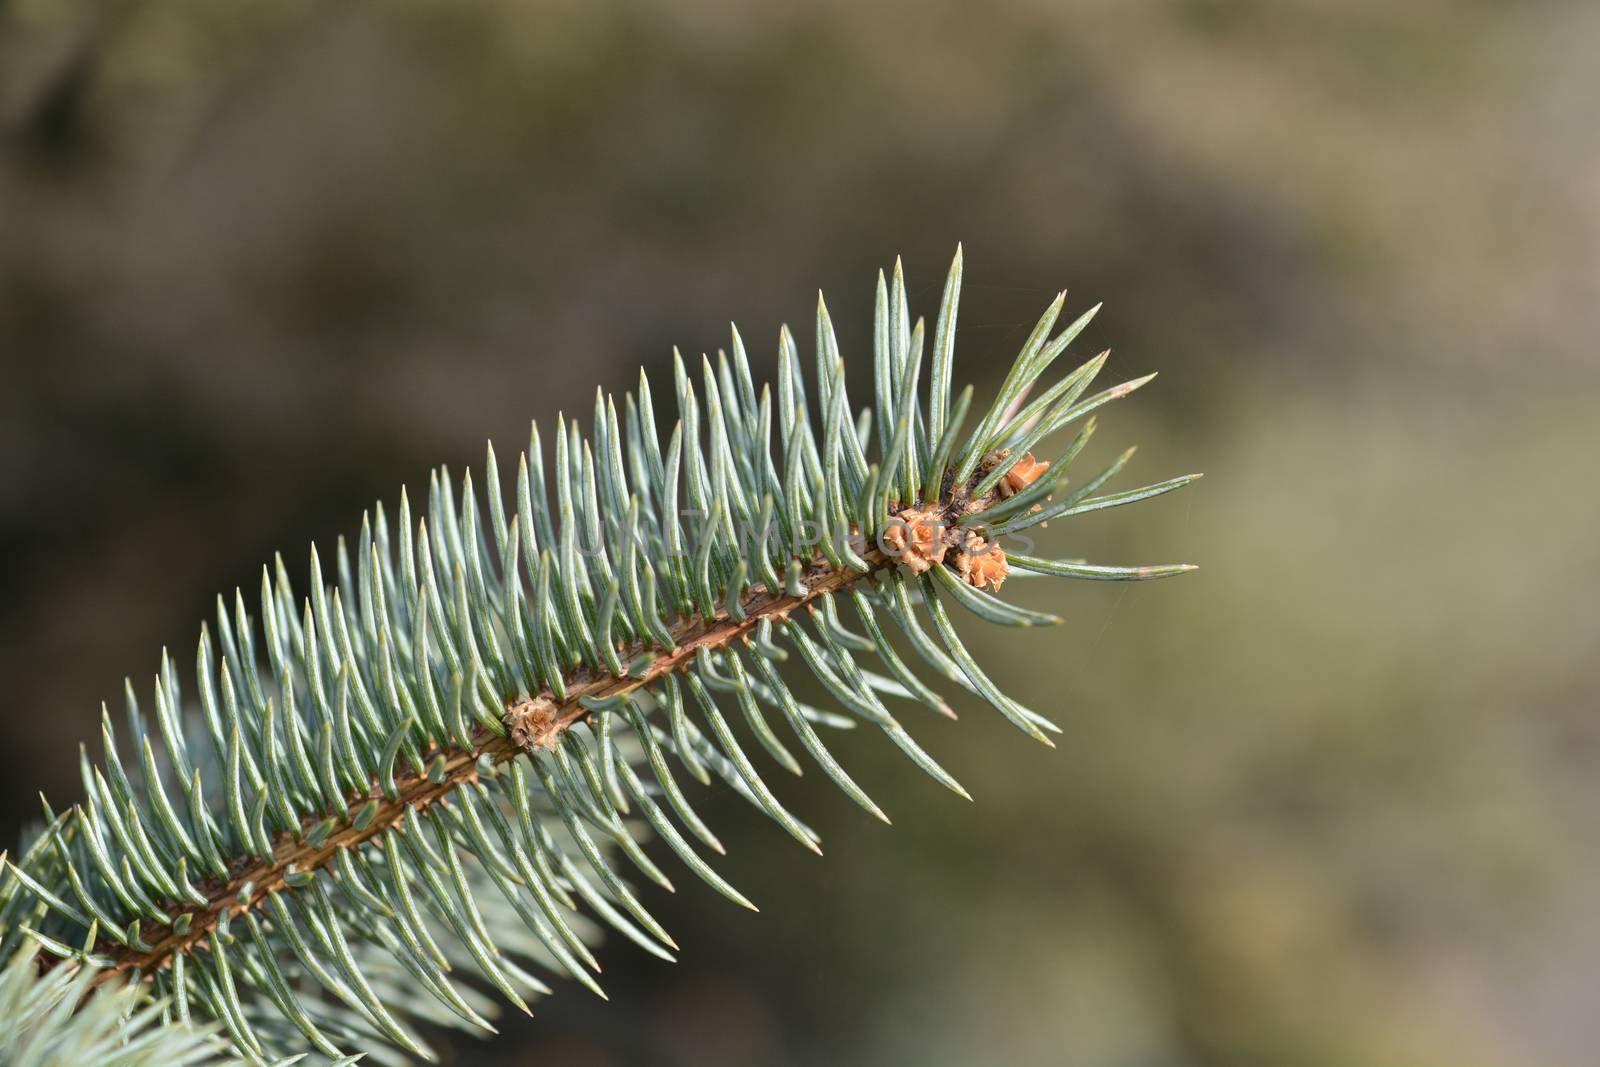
{"x": 292, "y": 852}
{"x": 436, "y": 763}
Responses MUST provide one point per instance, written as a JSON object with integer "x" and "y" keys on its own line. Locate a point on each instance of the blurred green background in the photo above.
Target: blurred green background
{"x": 1330, "y": 800}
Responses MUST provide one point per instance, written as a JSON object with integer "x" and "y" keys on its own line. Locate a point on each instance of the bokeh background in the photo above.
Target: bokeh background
{"x": 1333, "y": 799}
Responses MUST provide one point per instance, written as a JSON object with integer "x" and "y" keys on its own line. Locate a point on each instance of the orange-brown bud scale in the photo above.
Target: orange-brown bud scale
{"x": 982, "y": 563}
{"x": 1021, "y": 475}
{"x": 917, "y": 538}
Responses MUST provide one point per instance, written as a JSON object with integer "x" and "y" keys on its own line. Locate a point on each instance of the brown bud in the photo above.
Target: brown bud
{"x": 982, "y": 563}
{"x": 1022, "y": 474}
{"x": 915, "y": 538}
{"x": 533, "y": 724}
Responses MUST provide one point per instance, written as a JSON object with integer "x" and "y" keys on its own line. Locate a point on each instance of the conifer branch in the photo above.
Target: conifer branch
{"x": 415, "y": 791}
{"x": 421, "y": 770}
{"x": 254, "y": 881}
